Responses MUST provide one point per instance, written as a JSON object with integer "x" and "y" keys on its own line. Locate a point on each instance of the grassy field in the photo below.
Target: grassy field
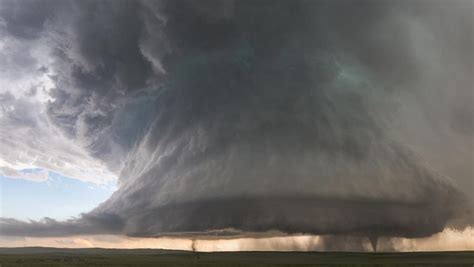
{"x": 149, "y": 257}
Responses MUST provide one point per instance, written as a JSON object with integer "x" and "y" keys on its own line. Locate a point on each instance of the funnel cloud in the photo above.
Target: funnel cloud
{"x": 233, "y": 117}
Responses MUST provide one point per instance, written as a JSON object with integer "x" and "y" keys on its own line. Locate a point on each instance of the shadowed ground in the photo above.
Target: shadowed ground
{"x": 11, "y": 257}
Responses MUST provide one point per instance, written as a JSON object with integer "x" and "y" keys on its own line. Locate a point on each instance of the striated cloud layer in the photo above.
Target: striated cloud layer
{"x": 227, "y": 117}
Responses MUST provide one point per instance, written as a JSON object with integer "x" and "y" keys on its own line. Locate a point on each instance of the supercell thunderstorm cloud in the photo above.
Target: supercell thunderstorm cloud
{"x": 233, "y": 117}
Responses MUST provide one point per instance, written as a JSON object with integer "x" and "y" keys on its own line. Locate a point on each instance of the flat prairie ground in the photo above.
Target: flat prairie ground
{"x": 13, "y": 257}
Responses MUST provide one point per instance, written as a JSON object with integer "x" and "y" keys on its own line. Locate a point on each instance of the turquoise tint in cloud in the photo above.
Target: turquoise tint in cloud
{"x": 58, "y": 197}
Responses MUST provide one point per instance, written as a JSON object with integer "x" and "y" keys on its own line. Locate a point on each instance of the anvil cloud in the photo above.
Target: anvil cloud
{"x": 234, "y": 117}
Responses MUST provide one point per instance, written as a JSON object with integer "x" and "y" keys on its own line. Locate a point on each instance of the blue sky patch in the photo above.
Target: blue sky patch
{"x": 58, "y": 197}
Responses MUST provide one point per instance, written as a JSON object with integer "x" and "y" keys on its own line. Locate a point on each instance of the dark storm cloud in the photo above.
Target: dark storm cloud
{"x": 248, "y": 115}
{"x": 87, "y": 224}
{"x": 26, "y": 20}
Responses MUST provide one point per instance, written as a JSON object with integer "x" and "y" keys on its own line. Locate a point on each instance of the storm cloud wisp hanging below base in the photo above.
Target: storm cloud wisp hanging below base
{"x": 245, "y": 116}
